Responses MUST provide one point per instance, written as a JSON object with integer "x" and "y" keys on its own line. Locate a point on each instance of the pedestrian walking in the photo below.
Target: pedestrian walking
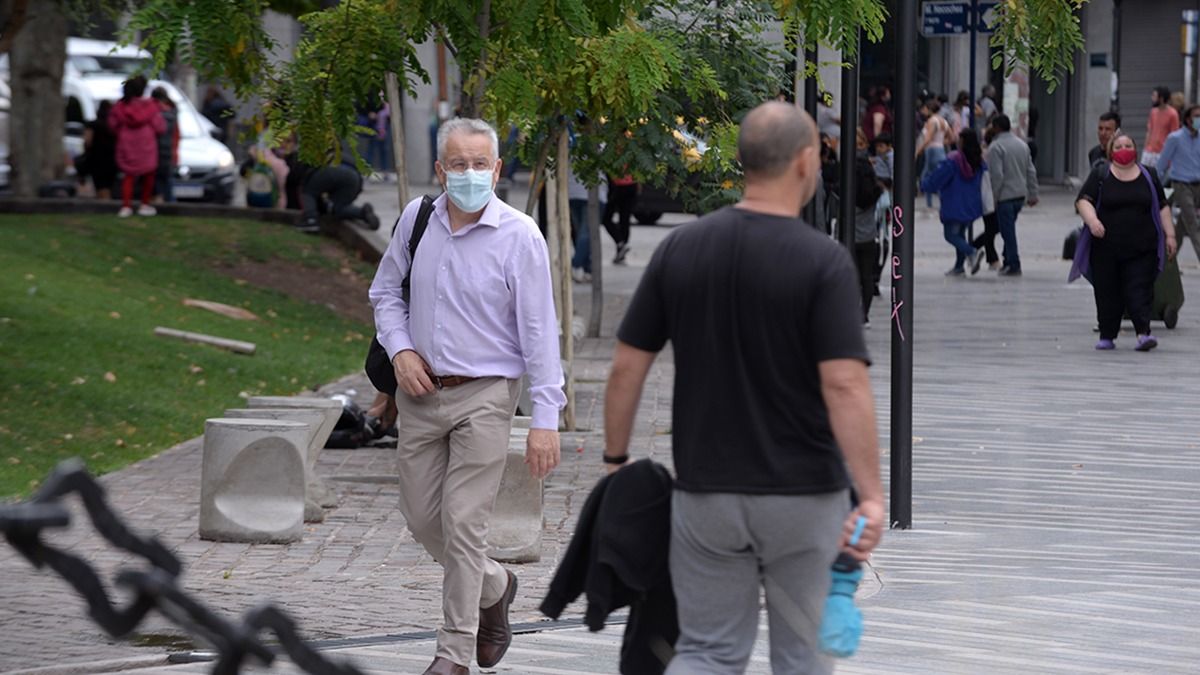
{"x": 868, "y": 193}
{"x": 100, "y": 152}
{"x": 962, "y": 113}
{"x": 878, "y": 118}
{"x": 1128, "y": 239}
{"x": 136, "y": 121}
{"x": 1179, "y": 165}
{"x": 622, "y": 197}
{"x": 1014, "y": 184}
{"x": 933, "y": 142}
{"x": 1107, "y": 127}
{"x": 985, "y": 243}
{"x": 987, "y": 108}
{"x": 957, "y": 181}
{"x": 1163, "y": 120}
{"x": 760, "y": 499}
{"x": 480, "y": 315}
{"x": 168, "y": 146}
{"x": 577, "y": 199}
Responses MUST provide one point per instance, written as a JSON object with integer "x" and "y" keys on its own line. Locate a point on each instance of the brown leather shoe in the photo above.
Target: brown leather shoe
{"x": 443, "y": 666}
{"x": 495, "y": 635}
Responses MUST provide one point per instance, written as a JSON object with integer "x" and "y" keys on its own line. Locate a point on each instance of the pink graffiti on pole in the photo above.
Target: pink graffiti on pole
{"x": 897, "y": 232}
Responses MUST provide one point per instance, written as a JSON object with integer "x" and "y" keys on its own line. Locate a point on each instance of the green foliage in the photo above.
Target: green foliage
{"x": 81, "y": 297}
{"x": 338, "y": 65}
{"x": 223, "y": 39}
{"x": 1042, "y": 34}
{"x": 836, "y": 23}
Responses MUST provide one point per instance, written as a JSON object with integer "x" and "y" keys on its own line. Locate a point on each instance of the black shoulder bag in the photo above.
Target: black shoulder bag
{"x": 378, "y": 365}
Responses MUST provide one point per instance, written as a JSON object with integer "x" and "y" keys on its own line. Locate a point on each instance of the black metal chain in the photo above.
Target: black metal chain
{"x": 153, "y": 587}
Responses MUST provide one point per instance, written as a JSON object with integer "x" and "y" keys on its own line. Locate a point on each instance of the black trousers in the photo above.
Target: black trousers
{"x": 991, "y": 228}
{"x": 621, "y": 200}
{"x": 866, "y": 259}
{"x": 343, "y": 186}
{"x": 1122, "y": 283}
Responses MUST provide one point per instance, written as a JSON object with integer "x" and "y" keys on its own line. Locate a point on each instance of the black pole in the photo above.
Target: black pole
{"x": 847, "y": 155}
{"x": 810, "y": 105}
{"x": 902, "y": 267}
{"x": 973, "y": 22}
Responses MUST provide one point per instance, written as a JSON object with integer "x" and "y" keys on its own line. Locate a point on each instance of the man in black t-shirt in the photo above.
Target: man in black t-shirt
{"x": 1106, "y": 129}
{"x": 772, "y": 404}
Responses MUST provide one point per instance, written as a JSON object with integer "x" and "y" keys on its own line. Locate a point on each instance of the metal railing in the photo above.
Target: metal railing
{"x": 154, "y": 587}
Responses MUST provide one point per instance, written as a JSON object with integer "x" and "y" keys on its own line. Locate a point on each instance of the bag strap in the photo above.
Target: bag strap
{"x": 414, "y": 240}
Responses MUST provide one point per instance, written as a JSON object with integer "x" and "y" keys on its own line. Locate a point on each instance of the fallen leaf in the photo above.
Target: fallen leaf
{"x": 194, "y": 369}
{"x": 115, "y": 315}
{"x": 120, "y": 443}
{"x": 68, "y": 436}
{"x": 116, "y": 270}
{"x": 14, "y": 460}
{"x": 200, "y": 382}
{"x": 79, "y": 380}
{"x": 110, "y": 377}
{"x": 29, "y": 277}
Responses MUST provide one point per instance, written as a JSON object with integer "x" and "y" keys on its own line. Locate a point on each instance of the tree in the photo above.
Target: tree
{"x": 37, "y": 116}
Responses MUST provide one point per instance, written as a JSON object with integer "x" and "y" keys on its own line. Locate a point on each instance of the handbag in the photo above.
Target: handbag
{"x": 1069, "y": 244}
{"x": 377, "y": 365}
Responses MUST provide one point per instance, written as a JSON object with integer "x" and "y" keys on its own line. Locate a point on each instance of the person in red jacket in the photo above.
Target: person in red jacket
{"x": 137, "y": 122}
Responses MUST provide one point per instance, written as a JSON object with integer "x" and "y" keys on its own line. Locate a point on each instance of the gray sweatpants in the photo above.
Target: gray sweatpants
{"x": 1185, "y": 198}
{"x": 724, "y": 548}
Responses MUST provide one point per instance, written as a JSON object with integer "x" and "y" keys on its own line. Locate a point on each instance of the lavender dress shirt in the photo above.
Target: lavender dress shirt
{"x": 481, "y": 301}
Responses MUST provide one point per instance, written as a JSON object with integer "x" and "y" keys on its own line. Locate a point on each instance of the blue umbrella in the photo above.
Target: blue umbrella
{"x": 841, "y": 625}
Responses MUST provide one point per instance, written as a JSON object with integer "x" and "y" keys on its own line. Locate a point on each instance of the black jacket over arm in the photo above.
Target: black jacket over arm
{"x": 618, "y": 556}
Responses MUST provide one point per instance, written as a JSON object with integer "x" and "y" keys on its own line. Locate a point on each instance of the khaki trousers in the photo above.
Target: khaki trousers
{"x": 451, "y": 454}
{"x": 1185, "y": 198}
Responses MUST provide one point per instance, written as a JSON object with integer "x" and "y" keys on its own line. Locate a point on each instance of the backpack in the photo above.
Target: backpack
{"x": 262, "y": 189}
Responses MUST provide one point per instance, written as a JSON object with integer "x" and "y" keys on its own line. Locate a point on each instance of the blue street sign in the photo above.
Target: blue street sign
{"x": 939, "y": 19}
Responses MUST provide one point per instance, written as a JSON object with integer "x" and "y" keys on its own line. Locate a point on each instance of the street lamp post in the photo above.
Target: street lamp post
{"x": 901, "y": 269}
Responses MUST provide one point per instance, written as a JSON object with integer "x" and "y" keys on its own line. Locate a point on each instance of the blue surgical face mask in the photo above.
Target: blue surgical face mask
{"x": 470, "y": 190}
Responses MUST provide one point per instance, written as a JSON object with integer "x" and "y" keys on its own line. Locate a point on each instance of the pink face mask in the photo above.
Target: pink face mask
{"x": 1124, "y": 156}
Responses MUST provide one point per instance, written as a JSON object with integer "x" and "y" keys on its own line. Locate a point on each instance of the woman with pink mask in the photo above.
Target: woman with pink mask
{"x": 1127, "y": 239}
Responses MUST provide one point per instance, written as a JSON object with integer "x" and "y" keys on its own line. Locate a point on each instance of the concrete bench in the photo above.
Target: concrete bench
{"x": 312, "y": 418}
{"x": 333, "y": 410}
{"x": 515, "y": 535}
{"x": 252, "y": 480}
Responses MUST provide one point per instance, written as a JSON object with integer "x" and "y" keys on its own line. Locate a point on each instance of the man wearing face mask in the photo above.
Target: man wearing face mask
{"x": 480, "y": 314}
{"x": 760, "y": 499}
{"x": 1180, "y": 164}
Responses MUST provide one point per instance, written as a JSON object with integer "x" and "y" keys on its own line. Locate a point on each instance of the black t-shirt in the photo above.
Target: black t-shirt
{"x": 1124, "y": 209}
{"x": 751, "y": 304}
{"x": 1096, "y": 156}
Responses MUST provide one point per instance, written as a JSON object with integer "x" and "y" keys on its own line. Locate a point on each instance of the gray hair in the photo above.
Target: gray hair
{"x": 770, "y": 136}
{"x": 466, "y": 125}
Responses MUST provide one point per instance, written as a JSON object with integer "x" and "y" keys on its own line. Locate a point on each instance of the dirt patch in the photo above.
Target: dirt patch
{"x": 341, "y": 286}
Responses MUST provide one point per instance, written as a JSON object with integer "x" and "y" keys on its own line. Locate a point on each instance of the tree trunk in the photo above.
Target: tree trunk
{"x": 472, "y": 100}
{"x": 392, "y": 85}
{"x": 38, "y": 115}
{"x": 559, "y": 240}
{"x": 593, "y": 226}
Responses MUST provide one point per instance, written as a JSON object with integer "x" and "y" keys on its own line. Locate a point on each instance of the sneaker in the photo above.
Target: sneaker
{"x": 368, "y": 214}
{"x": 309, "y": 226}
{"x": 955, "y": 272}
{"x": 125, "y": 212}
{"x": 146, "y": 210}
{"x": 622, "y": 251}
{"x": 1145, "y": 343}
{"x": 994, "y": 265}
{"x": 978, "y": 261}
{"x": 1010, "y": 272}
{"x": 1105, "y": 345}
{"x": 866, "y": 324}
{"x": 579, "y": 276}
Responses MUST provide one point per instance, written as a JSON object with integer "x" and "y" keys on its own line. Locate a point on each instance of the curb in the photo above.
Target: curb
{"x": 110, "y": 666}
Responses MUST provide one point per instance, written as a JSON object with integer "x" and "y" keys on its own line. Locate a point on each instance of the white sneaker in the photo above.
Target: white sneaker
{"x": 125, "y": 212}
{"x": 146, "y": 210}
{"x": 579, "y": 276}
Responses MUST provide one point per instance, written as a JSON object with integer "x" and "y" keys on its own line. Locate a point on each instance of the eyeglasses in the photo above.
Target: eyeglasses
{"x": 459, "y": 165}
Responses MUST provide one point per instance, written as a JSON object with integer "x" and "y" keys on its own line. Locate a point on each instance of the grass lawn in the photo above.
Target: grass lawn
{"x": 81, "y": 373}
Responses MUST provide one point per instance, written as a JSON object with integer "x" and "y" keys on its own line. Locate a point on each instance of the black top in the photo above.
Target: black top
{"x": 751, "y": 304}
{"x": 1124, "y": 209}
{"x": 102, "y": 152}
{"x": 1096, "y": 156}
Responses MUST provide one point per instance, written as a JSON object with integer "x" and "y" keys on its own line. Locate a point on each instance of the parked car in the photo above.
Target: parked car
{"x": 95, "y": 70}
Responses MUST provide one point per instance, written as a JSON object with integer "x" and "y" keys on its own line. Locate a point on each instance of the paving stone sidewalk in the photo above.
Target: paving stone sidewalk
{"x": 1054, "y": 491}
